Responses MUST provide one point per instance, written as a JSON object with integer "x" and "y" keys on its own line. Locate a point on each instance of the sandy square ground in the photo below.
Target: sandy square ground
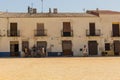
{"x": 78, "y": 68}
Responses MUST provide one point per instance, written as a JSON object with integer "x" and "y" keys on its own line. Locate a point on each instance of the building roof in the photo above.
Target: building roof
{"x": 98, "y": 12}
{"x": 38, "y": 15}
{"x": 89, "y": 13}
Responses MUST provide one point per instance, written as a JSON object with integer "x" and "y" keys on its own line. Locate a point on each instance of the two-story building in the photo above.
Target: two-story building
{"x": 60, "y": 33}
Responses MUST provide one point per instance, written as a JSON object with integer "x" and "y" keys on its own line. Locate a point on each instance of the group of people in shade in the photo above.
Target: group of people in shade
{"x": 40, "y": 52}
{"x": 33, "y": 52}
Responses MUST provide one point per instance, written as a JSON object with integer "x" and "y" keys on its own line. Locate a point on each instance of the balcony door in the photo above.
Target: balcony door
{"x": 13, "y": 29}
{"x": 66, "y": 29}
{"x": 92, "y": 29}
{"x": 115, "y": 29}
{"x": 40, "y": 29}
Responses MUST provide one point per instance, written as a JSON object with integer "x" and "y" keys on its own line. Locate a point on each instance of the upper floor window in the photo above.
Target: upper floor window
{"x": 115, "y": 30}
{"x": 92, "y": 30}
{"x": 40, "y": 31}
{"x": 67, "y": 31}
{"x": 13, "y": 30}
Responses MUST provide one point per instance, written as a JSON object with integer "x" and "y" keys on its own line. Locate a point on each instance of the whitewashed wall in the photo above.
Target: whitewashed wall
{"x": 54, "y": 27}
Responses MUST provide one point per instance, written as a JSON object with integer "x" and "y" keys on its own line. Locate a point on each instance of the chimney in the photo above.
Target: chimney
{"x": 50, "y": 10}
{"x": 97, "y": 9}
{"x": 28, "y": 9}
{"x": 34, "y": 10}
{"x": 55, "y": 11}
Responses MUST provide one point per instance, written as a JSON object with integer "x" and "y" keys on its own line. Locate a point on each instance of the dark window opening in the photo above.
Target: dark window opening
{"x": 92, "y": 29}
{"x": 13, "y": 29}
{"x": 66, "y": 29}
{"x": 107, "y": 46}
{"x": 115, "y": 30}
{"x": 66, "y": 34}
{"x": 14, "y": 48}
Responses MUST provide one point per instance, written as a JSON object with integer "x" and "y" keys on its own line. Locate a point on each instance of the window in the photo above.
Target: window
{"x": 107, "y": 46}
{"x": 13, "y": 29}
{"x": 92, "y": 29}
{"x": 115, "y": 30}
{"x": 40, "y": 29}
{"x": 67, "y": 29}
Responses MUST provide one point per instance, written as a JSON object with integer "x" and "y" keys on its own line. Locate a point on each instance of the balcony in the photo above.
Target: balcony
{"x": 39, "y": 33}
{"x": 96, "y": 33}
{"x": 13, "y": 33}
{"x": 67, "y": 33}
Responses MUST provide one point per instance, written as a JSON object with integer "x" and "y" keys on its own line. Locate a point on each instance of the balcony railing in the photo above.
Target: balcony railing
{"x": 96, "y": 33}
{"x": 13, "y": 33}
{"x": 67, "y": 33}
{"x": 38, "y": 33}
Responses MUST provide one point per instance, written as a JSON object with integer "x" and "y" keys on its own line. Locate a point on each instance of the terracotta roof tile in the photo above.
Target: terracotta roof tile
{"x": 103, "y": 11}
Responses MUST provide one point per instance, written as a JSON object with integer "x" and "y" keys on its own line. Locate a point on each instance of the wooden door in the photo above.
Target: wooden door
{"x": 92, "y": 29}
{"x": 115, "y": 29}
{"x": 67, "y": 47}
{"x": 66, "y": 29}
{"x": 93, "y": 47}
{"x": 116, "y": 47}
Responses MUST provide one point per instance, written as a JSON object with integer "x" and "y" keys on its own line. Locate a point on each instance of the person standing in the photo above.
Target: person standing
{"x": 43, "y": 51}
{"x": 85, "y": 50}
{"x": 26, "y": 52}
{"x": 22, "y": 54}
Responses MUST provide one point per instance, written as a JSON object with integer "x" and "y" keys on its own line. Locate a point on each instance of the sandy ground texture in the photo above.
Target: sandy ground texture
{"x": 78, "y": 68}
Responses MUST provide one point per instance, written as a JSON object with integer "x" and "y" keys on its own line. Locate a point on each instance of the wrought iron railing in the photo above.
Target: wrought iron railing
{"x": 13, "y": 33}
{"x": 67, "y": 33}
{"x": 96, "y": 33}
{"x": 40, "y": 32}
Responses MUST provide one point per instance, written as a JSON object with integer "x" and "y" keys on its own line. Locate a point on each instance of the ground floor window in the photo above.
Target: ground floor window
{"x": 107, "y": 46}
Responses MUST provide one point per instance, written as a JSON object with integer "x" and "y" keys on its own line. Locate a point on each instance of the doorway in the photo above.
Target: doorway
{"x": 67, "y": 48}
{"x": 14, "y": 48}
{"x": 116, "y": 47}
{"x": 93, "y": 47}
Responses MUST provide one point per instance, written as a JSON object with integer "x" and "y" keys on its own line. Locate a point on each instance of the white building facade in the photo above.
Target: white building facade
{"x": 60, "y": 34}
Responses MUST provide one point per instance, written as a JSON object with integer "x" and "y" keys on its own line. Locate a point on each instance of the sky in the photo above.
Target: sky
{"x": 62, "y": 5}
